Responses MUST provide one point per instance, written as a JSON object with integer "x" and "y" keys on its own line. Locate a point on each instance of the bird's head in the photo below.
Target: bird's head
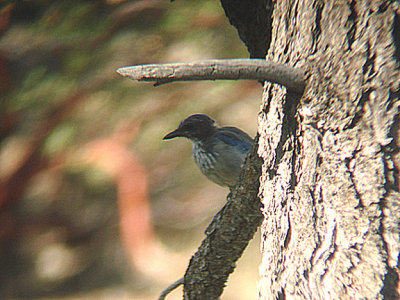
{"x": 195, "y": 128}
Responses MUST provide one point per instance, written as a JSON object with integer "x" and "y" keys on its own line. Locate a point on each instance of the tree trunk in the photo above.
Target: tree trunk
{"x": 330, "y": 183}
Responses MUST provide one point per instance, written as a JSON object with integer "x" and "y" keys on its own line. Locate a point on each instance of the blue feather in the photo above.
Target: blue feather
{"x": 232, "y": 140}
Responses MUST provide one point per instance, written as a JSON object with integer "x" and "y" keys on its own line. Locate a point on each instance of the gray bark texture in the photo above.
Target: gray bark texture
{"x": 330, "y": 178}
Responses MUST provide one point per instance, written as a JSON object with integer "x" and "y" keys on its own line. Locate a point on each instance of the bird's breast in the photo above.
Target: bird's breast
{"x": 204, "y": 159}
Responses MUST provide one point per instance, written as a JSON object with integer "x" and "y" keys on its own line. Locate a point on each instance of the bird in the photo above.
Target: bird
{"x": 219, "y": 152}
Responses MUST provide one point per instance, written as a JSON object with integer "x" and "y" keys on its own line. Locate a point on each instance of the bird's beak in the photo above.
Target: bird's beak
{"x": 173, "y": 134}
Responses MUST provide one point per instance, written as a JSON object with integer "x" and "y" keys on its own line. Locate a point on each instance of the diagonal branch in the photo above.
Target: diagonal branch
{"x": 243, "y": 68}
{"x": 169, "y": 289}
{"x": 227, "y": 236}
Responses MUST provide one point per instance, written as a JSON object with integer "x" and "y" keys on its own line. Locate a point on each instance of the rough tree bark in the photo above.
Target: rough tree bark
{"x": 330, "y": 183}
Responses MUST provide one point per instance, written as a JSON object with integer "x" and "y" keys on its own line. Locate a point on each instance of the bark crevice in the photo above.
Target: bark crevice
{"x": 316, "y": 30}
{"x": 396, "y": 36}
{"x": 390, "y": 282}
{"x": 351, "y": 23}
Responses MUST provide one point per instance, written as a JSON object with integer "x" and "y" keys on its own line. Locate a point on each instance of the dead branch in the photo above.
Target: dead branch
{"x": 170, "y": 288}
{"x": 234, "y": 69}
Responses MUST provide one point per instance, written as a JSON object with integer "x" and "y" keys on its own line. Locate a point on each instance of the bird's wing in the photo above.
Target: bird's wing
{"x": 235, "y": 137}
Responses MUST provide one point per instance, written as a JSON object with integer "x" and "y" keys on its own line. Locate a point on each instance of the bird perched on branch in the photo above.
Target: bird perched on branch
{"x": 219, "y": 152}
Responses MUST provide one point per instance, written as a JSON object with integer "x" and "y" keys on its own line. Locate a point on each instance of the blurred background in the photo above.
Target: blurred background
{"x": 93, "y": 203}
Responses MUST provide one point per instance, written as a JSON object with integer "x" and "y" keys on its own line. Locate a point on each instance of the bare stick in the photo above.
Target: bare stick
{"x": 169, "y": 289}
{"x": 244, "y": 68}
